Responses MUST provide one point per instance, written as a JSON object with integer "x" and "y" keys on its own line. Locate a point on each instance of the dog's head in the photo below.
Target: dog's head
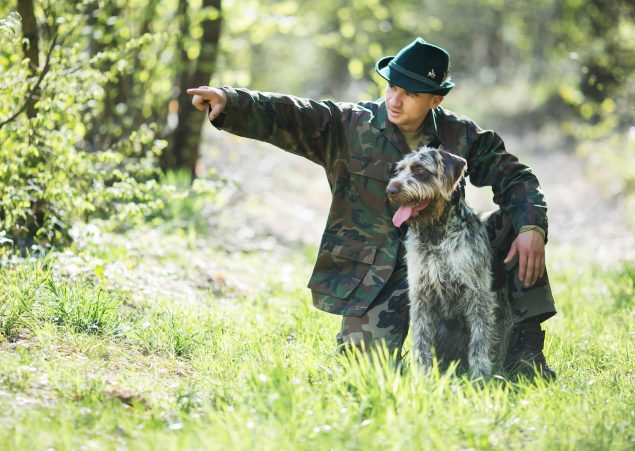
{"x": 423, "y": 183}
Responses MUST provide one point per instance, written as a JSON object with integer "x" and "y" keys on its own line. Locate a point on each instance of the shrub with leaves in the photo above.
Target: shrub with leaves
{"x": 48, "y": 177}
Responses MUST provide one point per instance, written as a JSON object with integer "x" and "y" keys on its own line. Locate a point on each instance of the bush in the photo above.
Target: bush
{"x": 49, "y": 177}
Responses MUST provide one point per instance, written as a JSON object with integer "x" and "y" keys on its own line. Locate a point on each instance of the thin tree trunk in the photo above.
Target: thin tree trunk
{"x": 98, "y": 136}
{"x": 599, "y": 78}
{"x": 148, "y": 16}
{"x": 183, "y": 149}
{"x": 30, "y": 47}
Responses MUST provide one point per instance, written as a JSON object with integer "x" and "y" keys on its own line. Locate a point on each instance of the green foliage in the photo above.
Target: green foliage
{"x": 33, "y": 296}
{"x": 92, "y": 148}
{"x": 182, "y": 201}
{"x": 106, "y": 98}
{"x": 168, "y": 334}
{"x": 260, "y": 371}
{"x": 48, "y": 180}
{"x": 82, "y": 308}
{"x": 22, "y": 285}
{"x": 86, "y": 366}
{"x": 623, "y": 287}
{"x": 598, "y": 38}
{"x": 12, "y": 316}
{"x": 131, "y": 45}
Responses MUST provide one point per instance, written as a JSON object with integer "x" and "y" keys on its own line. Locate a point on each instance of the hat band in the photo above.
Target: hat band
{"x": 414, "y": 75}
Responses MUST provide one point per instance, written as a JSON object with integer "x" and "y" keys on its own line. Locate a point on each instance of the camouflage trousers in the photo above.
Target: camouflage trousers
{"x": 387, "y": 318}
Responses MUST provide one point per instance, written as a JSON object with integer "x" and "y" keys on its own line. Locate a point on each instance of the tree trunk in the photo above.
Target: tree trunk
{"x": 182, "y": 151}
{"x": 101, "y": 135}
{"x": 148, "y": 15}
{"x": 599, "y": 80}
{"x": 30, "y": 47}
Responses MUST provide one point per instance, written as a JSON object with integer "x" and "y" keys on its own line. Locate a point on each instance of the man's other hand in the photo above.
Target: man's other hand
{"x": 206, "y": 97}
{"x": 530, "y": 248}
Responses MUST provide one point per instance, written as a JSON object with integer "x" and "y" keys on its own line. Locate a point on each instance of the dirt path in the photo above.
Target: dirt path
{"x": 283, "y": 199}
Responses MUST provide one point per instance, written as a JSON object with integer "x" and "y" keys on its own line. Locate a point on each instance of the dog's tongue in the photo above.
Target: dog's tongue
{"x": 402, "y": 215}
{"x": 405, "y": 212}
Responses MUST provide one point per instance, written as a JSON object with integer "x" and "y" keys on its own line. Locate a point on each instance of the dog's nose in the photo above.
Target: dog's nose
{"x": 393, "y": 188}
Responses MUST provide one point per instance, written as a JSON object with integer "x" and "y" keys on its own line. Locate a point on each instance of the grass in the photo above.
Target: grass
{"x": 103, "y": 358}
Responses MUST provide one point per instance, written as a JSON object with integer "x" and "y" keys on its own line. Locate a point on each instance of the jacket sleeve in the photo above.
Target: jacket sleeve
{"x": 516, "y": 188}
{"x": 309, "y": 128}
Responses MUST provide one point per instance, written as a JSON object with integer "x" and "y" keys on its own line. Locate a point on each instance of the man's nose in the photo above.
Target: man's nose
{"x": 397, "y": 98}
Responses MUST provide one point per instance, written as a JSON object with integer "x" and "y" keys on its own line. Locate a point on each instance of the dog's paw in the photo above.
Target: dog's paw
{"x": 481, "y": 372}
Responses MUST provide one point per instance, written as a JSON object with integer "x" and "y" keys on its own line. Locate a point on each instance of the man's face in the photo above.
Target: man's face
{"x": 407, "y": 109}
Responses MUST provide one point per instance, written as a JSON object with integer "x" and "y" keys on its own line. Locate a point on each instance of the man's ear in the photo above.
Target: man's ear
{"x": 436, "y": 101}
{"x": 453, "y": 169}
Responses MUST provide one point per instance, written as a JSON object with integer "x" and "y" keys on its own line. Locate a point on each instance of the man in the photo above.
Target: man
{"x": 360, "y": 272}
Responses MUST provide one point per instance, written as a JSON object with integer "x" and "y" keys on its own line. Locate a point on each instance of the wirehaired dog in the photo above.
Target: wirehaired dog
{"x": 453, "y": 310}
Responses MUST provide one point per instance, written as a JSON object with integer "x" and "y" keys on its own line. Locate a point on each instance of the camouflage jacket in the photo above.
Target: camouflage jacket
{"x": 358, "y": 147}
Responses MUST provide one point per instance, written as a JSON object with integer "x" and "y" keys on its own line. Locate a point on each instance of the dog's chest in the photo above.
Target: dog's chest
{"x": 436, "y": 272}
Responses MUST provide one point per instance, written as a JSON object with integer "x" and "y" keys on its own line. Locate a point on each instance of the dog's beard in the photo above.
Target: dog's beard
{"x": 416, "y": 199}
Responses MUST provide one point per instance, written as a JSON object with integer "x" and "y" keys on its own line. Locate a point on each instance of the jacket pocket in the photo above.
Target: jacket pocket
{"x": 369, "y": 179}
{"x": 341, "y": 265}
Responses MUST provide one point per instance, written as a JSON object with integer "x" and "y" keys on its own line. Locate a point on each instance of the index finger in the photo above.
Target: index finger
{"x": 197, "y": 91}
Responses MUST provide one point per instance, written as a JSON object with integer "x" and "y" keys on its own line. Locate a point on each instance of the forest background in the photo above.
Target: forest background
{"x": 93, "y": 92}
{"x": 102, "y": 157}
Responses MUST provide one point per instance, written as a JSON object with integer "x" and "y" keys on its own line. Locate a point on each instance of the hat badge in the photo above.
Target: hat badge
{"x": 432, "y": 74}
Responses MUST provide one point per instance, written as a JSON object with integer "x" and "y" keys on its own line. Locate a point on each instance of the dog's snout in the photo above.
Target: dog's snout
{"x": 393, "y": 188}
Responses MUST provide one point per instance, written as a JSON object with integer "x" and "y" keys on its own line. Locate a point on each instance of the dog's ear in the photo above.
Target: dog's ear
{"x": 453, "y": 168}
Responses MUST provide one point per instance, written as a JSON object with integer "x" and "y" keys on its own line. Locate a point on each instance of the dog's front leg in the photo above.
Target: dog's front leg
{"x": 423, "y": 332}
{"x": 481, "y": 323}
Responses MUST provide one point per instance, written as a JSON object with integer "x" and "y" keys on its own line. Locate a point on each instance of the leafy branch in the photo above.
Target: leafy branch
{"x": 33, "y": 89}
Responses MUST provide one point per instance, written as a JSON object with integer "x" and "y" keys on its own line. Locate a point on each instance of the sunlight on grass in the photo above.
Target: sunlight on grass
{"x": 86, "y": 366}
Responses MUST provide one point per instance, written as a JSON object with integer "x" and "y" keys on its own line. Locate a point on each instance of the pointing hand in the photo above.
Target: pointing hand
{"x": 206, "y": 97}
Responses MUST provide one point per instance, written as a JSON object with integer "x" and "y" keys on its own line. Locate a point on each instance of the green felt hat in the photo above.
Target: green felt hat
{"x": 418, "y": 67}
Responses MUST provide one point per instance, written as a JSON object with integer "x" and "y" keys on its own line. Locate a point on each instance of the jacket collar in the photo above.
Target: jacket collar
{"x": 430, "y": 124}
{"x": 379, "y": 120}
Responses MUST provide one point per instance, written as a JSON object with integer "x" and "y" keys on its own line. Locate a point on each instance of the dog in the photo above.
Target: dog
{"x": 454, "y": 312}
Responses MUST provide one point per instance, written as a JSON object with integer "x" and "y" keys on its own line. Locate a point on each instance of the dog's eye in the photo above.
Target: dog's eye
{"x": 419, "y": 170}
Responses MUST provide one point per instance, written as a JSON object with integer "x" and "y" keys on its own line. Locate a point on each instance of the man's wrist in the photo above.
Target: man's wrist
{"x": 220, "y": 119}
{"x": 538, "y": 229}
{"x": 224, "y": 121}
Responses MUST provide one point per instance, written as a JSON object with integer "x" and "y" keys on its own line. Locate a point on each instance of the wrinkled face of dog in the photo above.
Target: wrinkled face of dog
{"x": 423, "y": 184}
